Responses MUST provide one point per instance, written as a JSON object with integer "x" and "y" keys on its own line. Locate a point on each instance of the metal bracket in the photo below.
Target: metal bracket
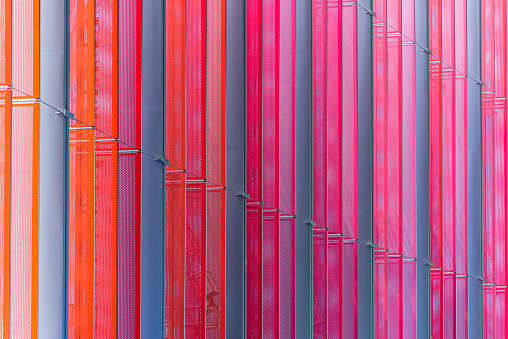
{"x": 427, "y": 50}
{"x": 66, "y": 114}
{"x": 373, "y": 245}
{"x": 371, "y": 12}
{"x": 163, "y": 160}
{"x": 312, "y": 223}
{"x": 480, "y": 83}
{"x": 243, "y": 195}
{"x": 429, "y": 263}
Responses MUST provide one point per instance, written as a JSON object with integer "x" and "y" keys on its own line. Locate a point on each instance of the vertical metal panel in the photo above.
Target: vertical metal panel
{"x": 303, "y": 123}
{"x": 422, "y": 169}
{"x": 235, "y": 169}
{"x": 365, "y": 177}
{"x": 474, "y": 183}
{"x": 152, "y": 172}
{"x": 51, "y": 176}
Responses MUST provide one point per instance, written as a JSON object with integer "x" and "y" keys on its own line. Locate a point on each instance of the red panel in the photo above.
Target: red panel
{"x": 81, "y": 233}
{"x": 196, "y": 270}
{"x": 175, "y": 255}
{"x": 24, "y": 221}
{"x": 215, "y": 268}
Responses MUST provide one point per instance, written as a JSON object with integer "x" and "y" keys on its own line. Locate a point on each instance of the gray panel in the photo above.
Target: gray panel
{"x": 303, "y": 117}
{"x": 235, "y": 169}
{"x": 422, "y": 169}
{"x": 152, "y": 78}
{"x": 365, "y": 174}
{"x": 51, "y": 172}
{"x": 152, "y": 171}
{"x": 152, "y": 248}
{"x": 474, "y": 168}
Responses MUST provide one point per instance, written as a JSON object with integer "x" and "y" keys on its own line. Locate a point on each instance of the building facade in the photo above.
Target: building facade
{"x": 253, "y": 169}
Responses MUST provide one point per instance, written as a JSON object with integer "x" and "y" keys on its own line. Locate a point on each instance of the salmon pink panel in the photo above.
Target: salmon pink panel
{"x": 320, "y": 272}
{"x": 24, "y": 221}
{"x": 349, "y": 96}
{"x": 334, "y": 116}
{"x": 5, "y": 42}
{"x": 5, "y": 207}
{"x": 195, "y": 270}
{"x": 129, "y": 245}
{"x": 25, "y": 47}
{"x": 254, "y": 252}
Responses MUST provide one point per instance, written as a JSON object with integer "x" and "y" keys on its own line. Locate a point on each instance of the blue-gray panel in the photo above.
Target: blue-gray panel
{"x": 422, "y": 169}
{"x": 152, "y": 247}
{"x": 152, "y": 171}
{"x": 152, "y": 78}
{"x": 235, "y": 169}
{"x": 474, "y": 168}
{"x": 303, "y": 121}
{"x": 365, "y": 173}
{"x": 51, "y": 172}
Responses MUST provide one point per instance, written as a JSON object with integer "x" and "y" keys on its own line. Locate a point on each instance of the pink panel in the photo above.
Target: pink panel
{"x": 448, "y": 33}
{"x": 335, "y": 286}
{"x": 349, "y": 289}
{"x": 500, "y": 312}
{"x": 409, "y": 290}
{"x": 436, "y": 303}
{"x": 461, "y": 252}
{"x": 287, "y": 278}
{"x": 381, "y": 294}
{"x": 380, "y": 135}
{"x": 500, "y": 259}
{"x": 488, "y": 188}
{"x": 319, "y": 151}
{"x": 449, "y": 305}
{"x": 349, "y": 123}
{"x": 460, "y": 37}
{"x": 408, "y": 19}
{"x": 408, "y": 152}
{"x": 448, "y": 168}
{"x": 320, "y": 271}
{"x": 489, "y": 306}
{"x": 334, "y": 116}
{"x": 270, "y": 281}
{"x": 395, "y": 297}
{"x": 394, "y": 138}
{"x": 462, "y": 307}
{"x": 254, "y": 272}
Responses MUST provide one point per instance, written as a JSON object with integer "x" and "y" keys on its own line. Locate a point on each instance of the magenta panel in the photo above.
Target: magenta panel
{"x": 395, "y": 297}
{"x": 253, "y": 272}
{"x": 489, "y": 306}
{"x": 462, "y": 307}
{"x": 349, "y": 120}
{"x": 350, "y": 289}
{"x": 381, "y": 294}
{"x": 320, "y": 293}
{"x": 436, "y": 303}
{"x": 449, "y": 305}
{"x": 287, "y": 294}
{"x": 270, "y": 282}
{"x": 335, "y": 286}
{"x": 409, "y": 295}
